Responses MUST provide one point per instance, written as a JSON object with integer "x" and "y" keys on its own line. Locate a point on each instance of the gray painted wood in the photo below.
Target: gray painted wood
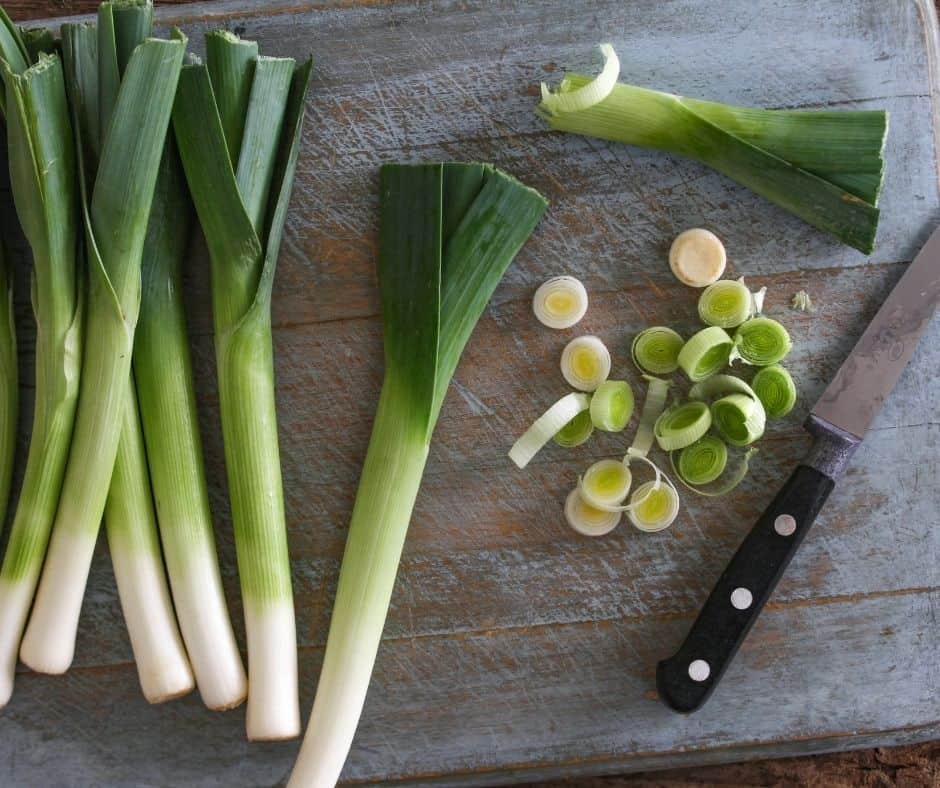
{"x": 515, "y": 648}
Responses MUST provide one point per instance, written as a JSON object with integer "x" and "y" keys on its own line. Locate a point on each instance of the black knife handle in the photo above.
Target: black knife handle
{"x": 686, "y": 679}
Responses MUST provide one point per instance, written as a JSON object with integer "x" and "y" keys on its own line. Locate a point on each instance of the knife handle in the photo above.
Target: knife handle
{"x": 687, "y": 678}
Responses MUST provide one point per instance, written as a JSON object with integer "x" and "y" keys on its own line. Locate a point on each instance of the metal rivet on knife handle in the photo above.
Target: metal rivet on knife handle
{"x": 785, "y": 525}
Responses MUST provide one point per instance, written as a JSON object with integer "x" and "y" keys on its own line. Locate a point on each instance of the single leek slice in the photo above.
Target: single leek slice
{"x": 605, "y": 484}
{"x": 239, "y": 138}
{"x": 703, "y": 461}
{"x": 612, "y": 405}
{"x": 585, "y": 363}
{"x": 657, "y": 392}
{"x": 655, "y": 506}
{"x": 547, "y": 426}
{"x": 775, "y": 389}
{"x": 721, "y": 484}
{"x": 586, "y": 519}
{"x": 9, "y": 385}
{"x": 761, "y": 341}
{"x": 656, "y": 350}
{"x": 726, "y": 304}
{"x": 697, "y": 257}
{"x": 560, "y": 302}
{"x": 587, "y": 95}
{"x": 682, "y": 425}
{"x": 825, "y": 167}
{"x": 576, "y": 431}
{"x": 45, "y": 189}
{"x": 115, "y": 213}
{"x": 706, "y": 353}
{"x": 434, "y": 287}
{"x": 737, "y": 413}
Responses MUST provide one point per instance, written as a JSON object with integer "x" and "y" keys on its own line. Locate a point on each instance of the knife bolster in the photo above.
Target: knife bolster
{"x": 832, "y": 448}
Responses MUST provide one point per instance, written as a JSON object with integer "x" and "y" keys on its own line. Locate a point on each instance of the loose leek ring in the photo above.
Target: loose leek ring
{"x": 586, "y": 519}
{"x": 703, "y": 461}
{"x": 682, "y": 425}
{"x": 560, "y": 302}
{"x": 739, "y": 418}
{"x": 612, "y": 405}
{"x": 775, "y": 389}
{"x": 546, "y": 426}
{"x": 655, "y": 505}
{"x": 585, "y": 363}
{"x": 705, "y": 353}
{"x": 576, "y": 431}
{"x": 725, "y": 304}
{"x": 567, "y": 100}
{"x": 606, "y": 484}
{"x": 697, "y": 257}
{"x": 761, "y": 341}
{"x": 656, "y": 350}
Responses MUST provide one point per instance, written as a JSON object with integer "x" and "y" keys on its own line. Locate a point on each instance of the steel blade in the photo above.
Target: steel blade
{"x": 869, "y": 374}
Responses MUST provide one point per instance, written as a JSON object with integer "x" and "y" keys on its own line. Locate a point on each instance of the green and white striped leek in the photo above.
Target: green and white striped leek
{"x": 826, "y": 167}
{"x": 44, "y": 179}
{"x": 116, "y": 216}
{"x": 9, "y": 385}
{"x": 448, "y": 233}
{"x": 238, "y": 122}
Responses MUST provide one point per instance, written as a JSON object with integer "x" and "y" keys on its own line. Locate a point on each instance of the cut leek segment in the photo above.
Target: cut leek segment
{"x": 706, "y": 353}
{"x": 589, "y": 520}
{"x": 697, "y": 257}
{"x": 737, "y": 412}
{"x": 682, "y": 425}
{"x": 656, "y": 350}
{"x": 612, "y": 405}
{"x": 726, "y": 304}
{"x": 657, "y": 392}
{"x": 802, "y": 301}
{"x": 576, "y": 431}
{"x": 825, "y": 167}
{"x": 597, "y": 89}
{"x": 434, "y": 287}
{"x": 703, "y": 466}
{"x": 547, "y": 426}
{"x": 9, "y": 386}
{"x": 654, "y": 506}
{"x": 606, "y": 484}
{"x": 560, "y": 302}
{"x": 701, "y": 462}
{"x": 761, "y": 341}
{"x": 585, "y": 363}
{"x": 775, "y": 389}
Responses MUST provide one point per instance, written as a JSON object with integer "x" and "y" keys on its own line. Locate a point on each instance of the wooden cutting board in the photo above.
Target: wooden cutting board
{"x": 514, "y": 648}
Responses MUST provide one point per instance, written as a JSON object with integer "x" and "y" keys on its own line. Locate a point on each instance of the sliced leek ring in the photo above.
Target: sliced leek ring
{"x": 655, "y": 506}
{"x": 656, "y": 350}
{"x": 737, "y": 413}
{"x": 761, "y": 341}
{"x": 722, "y": 484}
{"x": 697, "y": 257}
{"x": 701, "y": 462}
{"x": 657, "y": 392}
{"x": 576, "y": 431}
{"x": 706, "y": 353}
{"x": 585, "y": 363}
{"x": 612, "y": 405}
{"x": 606, "y": 484}
{"x": 546, "y": 426}
{"x": 775, "y": 389}
{"x": 682, "y": 425}
{"x": 560, "y": 302}
{"x": 726, "y": 304}
{"x": 587, "y": 520}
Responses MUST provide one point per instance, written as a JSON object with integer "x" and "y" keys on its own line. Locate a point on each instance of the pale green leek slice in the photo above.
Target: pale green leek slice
{"x": 560, "y": 302}
{"x": 574, "y": 100}
{"x": 737, "y": 413}
{"x": 775, "y": 389}
{"x": 585, "y": 363}
{"x": 761, "y": 341}
{"x": 605, "y": 484}
{"x": 706, "y": 353}
{"x": 682, "y": 425}
{"x": 547, "y": 426}
{"x": 726, "y": 304}
{"x": 612, "y": 405}
{"x": 703, "y": 461}
{"x": 655, "y": 350}
{"x": 589, "y": 520}
{"x": 654, "y": 506}
{"x": 576, "y": 431}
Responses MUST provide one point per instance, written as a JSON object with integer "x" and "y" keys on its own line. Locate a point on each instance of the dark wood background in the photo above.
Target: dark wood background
{"x": 904, "y": 766}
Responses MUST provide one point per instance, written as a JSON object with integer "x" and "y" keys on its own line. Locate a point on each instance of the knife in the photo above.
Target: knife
{"x": 837, "y": 422}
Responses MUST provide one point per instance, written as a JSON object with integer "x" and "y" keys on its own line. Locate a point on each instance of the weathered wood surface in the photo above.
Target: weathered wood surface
{"x": 515, "y": 649}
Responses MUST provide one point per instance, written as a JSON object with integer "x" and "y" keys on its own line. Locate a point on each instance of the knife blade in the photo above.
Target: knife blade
{"x": 838, "y": 423}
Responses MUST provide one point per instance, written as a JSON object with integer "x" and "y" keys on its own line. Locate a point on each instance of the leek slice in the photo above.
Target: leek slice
{"x": 825, "y": 167}
{"x": 656, "y": 350}
{"x": 657, "y": 392}
{"x": 701, "y": 467}
{"x": 654, "y": 506}
{"x": 605, "y": 484}
{"x": 761, "y": 341}
{"x": 775, "y": 389}
{"x": 706, "y": 353}
{"x": 703, "y": 461}
{"x": 697, "y": 257}
{"x": 547, "y": 426}
{"x": 737, "y": 412}
{"x": 682, "y": 425}
{"x": 434, "y": 288}
{"x": 576, "y": 431}
{"x": 586, "y": 519}
{"x": 612, "y": 405}
{"x": 726, "y": 304}
{"x": 560, "y": 302}
{"x": 585, "y": 363}
{"x": 586, "y": 96}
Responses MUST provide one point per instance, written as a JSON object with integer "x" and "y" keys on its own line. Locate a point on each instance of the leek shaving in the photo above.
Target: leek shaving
{"x": 803, "y": 302}
{"x": 546, "y": 426}
{"x": 567, "y": 100}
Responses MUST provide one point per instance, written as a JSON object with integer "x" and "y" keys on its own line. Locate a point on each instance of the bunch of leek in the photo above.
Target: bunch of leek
{"x": 44, "y": 180}
{"x": 133, "y": 115}
{"x": 238, "y": 122}
{"x": 825, "y": 167}
{"x": 448, "y": 233}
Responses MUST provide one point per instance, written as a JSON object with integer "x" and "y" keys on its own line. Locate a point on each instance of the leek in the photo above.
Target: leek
{"x": 825, "y": 167}
{"x": 576, "y": 431}
{"x": 434, "y": 285}
{"x": 585, "y": 363}
{"x": 9, "y": 385}
{"x": 238, "y": 122}
{"x": 115, "y": 213}
{"x": 560, "y": 302}
{"x": 44, "y": 180}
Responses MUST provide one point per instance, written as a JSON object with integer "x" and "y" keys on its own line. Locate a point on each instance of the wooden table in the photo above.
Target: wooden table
{"x": 514, "y": 650}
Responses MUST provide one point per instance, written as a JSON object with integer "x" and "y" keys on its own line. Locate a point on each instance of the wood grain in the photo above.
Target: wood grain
{"x": 514, "y": 649}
